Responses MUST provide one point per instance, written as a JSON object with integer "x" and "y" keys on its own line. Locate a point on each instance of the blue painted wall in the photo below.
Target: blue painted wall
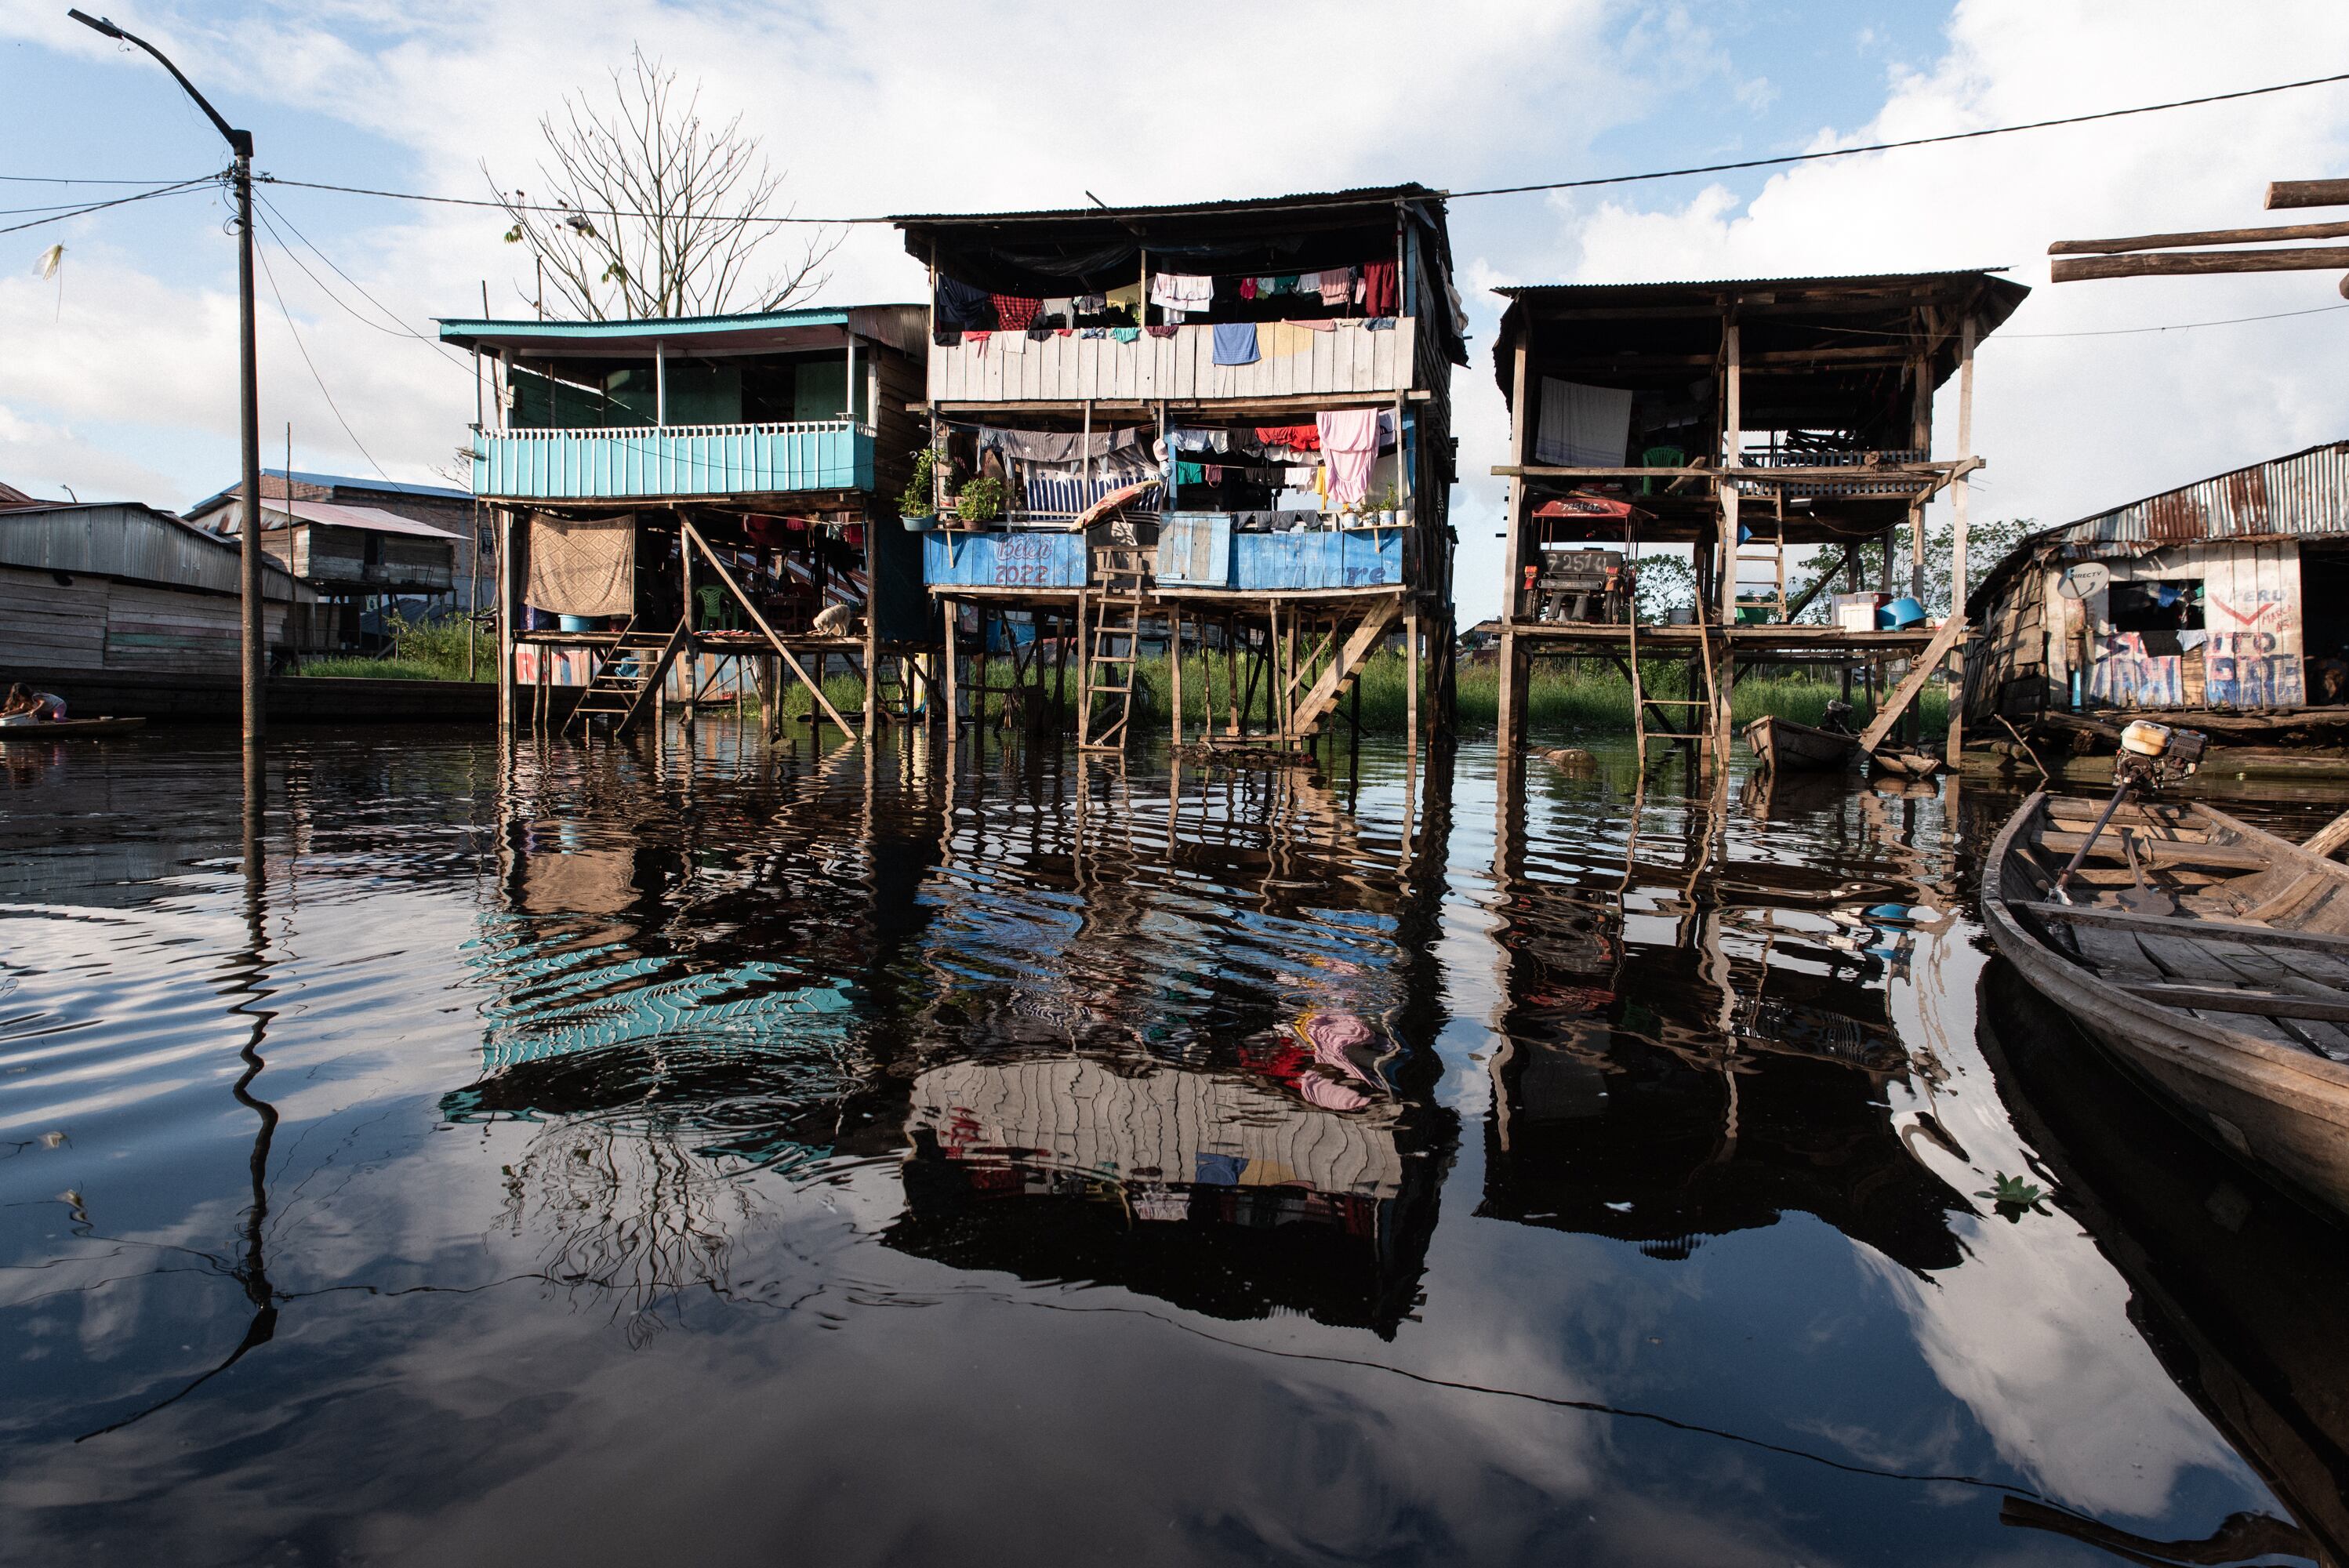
{"x": 747, "y": 459}
{"x": 960, "y": 560}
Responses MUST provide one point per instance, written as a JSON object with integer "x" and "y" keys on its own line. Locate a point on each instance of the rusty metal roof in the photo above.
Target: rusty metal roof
{"x": 2303, "y": 494}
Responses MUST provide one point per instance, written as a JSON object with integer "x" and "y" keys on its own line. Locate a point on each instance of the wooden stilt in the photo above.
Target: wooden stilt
{"x": 1175, "y": 663}
{"x": 953, "y": 706}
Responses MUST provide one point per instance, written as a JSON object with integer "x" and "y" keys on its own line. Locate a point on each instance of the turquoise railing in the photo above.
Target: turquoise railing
{"x": 672, "y": 460}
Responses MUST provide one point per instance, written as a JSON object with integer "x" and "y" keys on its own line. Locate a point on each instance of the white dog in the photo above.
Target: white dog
{"x": 834, "y": 621}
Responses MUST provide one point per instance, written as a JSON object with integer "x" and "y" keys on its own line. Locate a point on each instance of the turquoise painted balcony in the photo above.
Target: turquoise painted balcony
{"x": 655, "y": 462}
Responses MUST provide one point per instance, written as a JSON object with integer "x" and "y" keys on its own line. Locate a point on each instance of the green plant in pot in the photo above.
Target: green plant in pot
{"x": 918, "y": 503}
{"x": 980, "y": 500}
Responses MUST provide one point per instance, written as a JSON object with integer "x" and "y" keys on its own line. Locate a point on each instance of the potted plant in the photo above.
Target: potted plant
{"x": 1382, "y": 507}
{"x": 980, "y": 500}
{"x": 919, "y": 504}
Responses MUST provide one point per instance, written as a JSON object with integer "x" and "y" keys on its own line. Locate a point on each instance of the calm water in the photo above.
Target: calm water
{"x": 621, "y": 1155}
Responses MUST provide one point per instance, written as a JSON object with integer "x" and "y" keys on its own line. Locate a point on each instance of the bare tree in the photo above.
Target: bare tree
{"x": 657, "y": 213}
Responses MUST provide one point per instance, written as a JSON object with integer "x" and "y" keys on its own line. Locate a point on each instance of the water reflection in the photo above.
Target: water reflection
{"x": 793, "y": 1114}
{"x": 1697, "y": 1028}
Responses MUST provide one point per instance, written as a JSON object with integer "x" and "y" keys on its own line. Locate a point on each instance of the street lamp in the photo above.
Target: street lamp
{"x": 255, "y": 650}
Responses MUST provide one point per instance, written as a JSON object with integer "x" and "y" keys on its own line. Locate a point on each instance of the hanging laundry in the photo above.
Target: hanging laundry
{"x": 1248, "y": 288}
{"x": 962, "y": 307}
{"x": 1014, "y": 312}
{"x": 1379, "y": 324}
{"x": 1381, "y": 294}
{"x": 1349, "y": 444}
{"x": 1063, "y": 307}
{"x": 1293, "y": 437}
{"x": 1320, "y": 325}
{"x": 1214, "y": 471}
{"x": 1284, "y": 283}
{"x": 1337, "y": 287}
{"x": 1300, "y": 478}
{"x": 1190, "y": 473}
{"x": 1203, "y": 440}
{"x": 1165, "y": 331}
{"x": 1093, "y": 331}
{"x": 1126, "y": 333}
{"x": 976, "y": 340}
{"x": 1182, "y": 291}
{"x": 1038, "y": 332}
{"x": 1236, "y": 342}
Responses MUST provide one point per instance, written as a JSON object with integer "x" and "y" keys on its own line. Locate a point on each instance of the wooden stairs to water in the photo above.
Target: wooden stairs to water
{"x": 626, "y": 675}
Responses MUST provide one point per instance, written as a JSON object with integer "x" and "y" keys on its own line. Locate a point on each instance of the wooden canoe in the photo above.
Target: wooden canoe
{"x": 1784, "y": 745}
{"x": 65, "y": 728}
{"x": 2208, "y": 958}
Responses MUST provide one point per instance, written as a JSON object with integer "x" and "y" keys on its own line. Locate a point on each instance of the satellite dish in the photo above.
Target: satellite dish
{"x": 2085, "y": 578}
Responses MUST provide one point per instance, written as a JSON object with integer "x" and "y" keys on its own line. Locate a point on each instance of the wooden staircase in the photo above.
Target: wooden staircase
{"x": 1123, "y": 570}
{"x": 626, "y": 677}
{"x": 1335, "y": 681}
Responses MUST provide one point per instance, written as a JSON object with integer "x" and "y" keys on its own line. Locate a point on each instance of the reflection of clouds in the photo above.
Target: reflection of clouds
{"x": 2030, "y": 1334}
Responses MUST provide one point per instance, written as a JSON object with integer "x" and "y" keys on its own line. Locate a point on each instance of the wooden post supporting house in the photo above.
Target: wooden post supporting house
{"x": 1958, "y": 489}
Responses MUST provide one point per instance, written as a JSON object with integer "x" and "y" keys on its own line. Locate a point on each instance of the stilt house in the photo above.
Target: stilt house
{"x": 1747, "y": 421}
{"x": 1224, "y": 427}
{"x": 680, "y": 502}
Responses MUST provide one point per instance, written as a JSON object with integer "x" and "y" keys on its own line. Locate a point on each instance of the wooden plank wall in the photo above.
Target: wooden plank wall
{"x": 1293, "y": 361}
{"x": 97, "y": 624}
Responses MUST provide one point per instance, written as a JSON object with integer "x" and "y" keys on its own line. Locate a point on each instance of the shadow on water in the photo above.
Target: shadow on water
{"x": 911, "y": 1145}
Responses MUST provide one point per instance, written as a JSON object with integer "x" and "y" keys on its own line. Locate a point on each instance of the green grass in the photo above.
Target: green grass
{"x": 433, "y": 651}
{"x": 1578, "y": 696}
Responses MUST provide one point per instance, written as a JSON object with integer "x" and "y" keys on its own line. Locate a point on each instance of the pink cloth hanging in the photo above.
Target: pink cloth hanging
{"x": 1349, "y": 445}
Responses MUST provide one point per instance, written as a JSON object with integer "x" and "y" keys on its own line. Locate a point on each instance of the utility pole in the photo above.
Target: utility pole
{"x": 255, "y": 650}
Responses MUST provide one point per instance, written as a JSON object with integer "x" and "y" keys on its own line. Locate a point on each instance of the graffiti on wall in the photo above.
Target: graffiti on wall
{"x": 2253, "y": 652}
{"x": 2125, "y": 675}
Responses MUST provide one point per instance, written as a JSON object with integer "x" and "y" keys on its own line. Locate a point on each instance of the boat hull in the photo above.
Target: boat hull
{"x": 1785, "y": 745}
{"x": 66, "y": 729}
{"x": 2284, "y": 1111}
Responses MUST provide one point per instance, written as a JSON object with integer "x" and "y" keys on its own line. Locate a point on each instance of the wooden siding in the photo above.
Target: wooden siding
{"x": 1011, "y": 367}
{"x": 98, "y": 623}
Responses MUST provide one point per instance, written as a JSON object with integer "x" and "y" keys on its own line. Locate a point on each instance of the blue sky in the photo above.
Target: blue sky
{"x": 122, "y": 383}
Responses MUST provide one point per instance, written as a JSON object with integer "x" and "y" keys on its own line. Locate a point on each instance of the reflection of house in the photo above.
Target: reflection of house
{"x": 1665, "y": 1091}
{"x": 1217, "y": 1192}
{"x": 125, "y": 589}
{"x": 2231, "y": 592}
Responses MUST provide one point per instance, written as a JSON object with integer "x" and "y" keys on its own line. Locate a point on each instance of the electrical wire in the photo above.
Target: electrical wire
{"x": 262, "y": 256}
{"x": 1338, "y": 199}
{"x": 118, "y": 201}
{"x": 78, "y": 179}
{"x": 1910, "y": 141}
{"x": 2173, "y": 326}
{"x": 267, "y": 211}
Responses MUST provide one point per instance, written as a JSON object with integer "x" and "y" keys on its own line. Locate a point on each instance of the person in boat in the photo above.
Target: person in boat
{"x": 1837, "y": 718}
{"x": 26, "y": 706}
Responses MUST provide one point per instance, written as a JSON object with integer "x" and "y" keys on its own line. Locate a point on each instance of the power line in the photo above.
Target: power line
{"x": 262, "y": 256}
{"x": 2173, "y": 326}
{"x": 1911, "y": 141}
{"x": 78, "y": 179}
{"x": 398, "y": 328}
{"x": 1301, "y": 203}
{"x": 118, "y": 201}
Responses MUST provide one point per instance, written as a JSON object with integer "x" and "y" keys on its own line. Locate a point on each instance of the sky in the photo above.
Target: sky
{"x": 118, "y": 375}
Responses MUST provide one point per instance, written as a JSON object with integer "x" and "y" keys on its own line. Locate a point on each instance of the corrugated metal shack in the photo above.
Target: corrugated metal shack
{"x": 2223, "y": 602}
{"x": 126, "y": 587}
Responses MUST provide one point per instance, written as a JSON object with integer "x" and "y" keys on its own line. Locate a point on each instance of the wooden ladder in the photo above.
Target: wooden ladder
{"x": 1123, "y": 570}
{"x": 624, "y": 679}
{"x": 1641, "y": 703}
{"x": 1772, "y": 551}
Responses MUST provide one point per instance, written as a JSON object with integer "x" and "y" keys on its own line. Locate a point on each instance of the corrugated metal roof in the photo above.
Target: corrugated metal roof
{"x": 1303, "y": 201}
{"x": 2303, "y": 494}
{"x": 331, "y": 515}
{"x": 137, "y": 544}
{"x": 334, "y": 481}
{"x": 1829, "y": 280}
